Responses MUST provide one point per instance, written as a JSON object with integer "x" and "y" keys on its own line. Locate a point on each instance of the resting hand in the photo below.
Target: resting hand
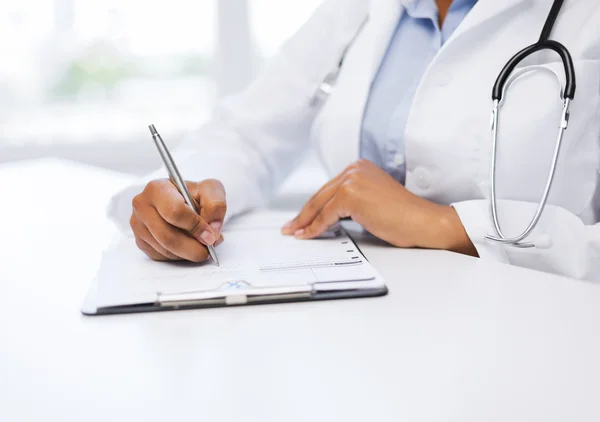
{"x": 385, "y": 208}
{"x": 166, "y": 229}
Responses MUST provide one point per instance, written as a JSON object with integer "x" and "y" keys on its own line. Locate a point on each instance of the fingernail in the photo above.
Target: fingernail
{"x": 298, "y": 233}
{"x": 216, "y": 226}
{"x": 207, "y": 237}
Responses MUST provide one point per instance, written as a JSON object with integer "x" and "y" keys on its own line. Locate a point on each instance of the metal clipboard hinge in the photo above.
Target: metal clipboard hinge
{"x": 237, "y": 297}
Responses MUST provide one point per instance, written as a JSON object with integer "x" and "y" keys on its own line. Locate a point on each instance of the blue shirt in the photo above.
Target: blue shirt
{"x": 413, "y": 46}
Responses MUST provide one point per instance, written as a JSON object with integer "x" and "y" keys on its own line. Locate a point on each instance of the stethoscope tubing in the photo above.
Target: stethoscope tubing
{"x": 498, "y": 94}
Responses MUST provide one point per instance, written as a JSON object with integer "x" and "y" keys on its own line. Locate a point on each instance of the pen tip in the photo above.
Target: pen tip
{"x": 152, "y": 130}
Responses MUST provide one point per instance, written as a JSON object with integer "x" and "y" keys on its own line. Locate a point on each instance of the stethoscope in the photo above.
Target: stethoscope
{"x": 505, "y": 78}
{"x": 567, "y": 95}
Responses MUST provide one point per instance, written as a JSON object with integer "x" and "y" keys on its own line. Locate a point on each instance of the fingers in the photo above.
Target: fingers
{"x": 143, "y": 235}
{"x": 313, "y": 207}
{"x": 211, "y": 197}
{"x": 330, "y": 214}
{"x": 149, "y": 250}
{"x": 173, "y": 209}
{"x": 166, "y": 228}
{"x": 173, "y": 239}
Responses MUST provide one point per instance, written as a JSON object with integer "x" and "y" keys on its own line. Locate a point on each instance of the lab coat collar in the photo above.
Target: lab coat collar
{"x": 383, "y": 19}
{"x": 486, "y": 10}
{"x": 385, "y": 14}
{"x": 482, "y": 11}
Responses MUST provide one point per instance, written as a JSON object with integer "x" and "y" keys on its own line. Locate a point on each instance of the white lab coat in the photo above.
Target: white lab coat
{"x": 255, "y": 138}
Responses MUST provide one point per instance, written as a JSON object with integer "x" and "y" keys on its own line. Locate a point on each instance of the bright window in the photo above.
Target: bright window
{"x": 77, "y": 71}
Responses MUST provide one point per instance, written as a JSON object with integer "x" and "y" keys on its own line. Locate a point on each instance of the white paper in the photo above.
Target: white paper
{"x": 254, "y": 254}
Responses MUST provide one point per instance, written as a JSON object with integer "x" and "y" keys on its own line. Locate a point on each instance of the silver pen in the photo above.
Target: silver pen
{"x": 177, "y": 180}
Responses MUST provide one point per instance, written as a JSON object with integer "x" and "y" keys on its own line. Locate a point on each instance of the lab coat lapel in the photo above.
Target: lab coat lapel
{"x": 484, "y": 11}
{"x": 383, "y": 18}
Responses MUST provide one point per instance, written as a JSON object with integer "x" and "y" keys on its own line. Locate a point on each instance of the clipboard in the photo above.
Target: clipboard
{"x": 278, "y": 270}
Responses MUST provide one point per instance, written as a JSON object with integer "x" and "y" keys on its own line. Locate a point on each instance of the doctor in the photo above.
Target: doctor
{"x": 402, "y": 124}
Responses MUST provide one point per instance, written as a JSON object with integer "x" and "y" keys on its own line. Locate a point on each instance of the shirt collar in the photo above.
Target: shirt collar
{"x": 420, "y": 8}
{"x": 424, "y": 8}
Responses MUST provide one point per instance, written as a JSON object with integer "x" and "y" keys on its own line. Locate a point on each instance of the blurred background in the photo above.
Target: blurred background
{"x": 82, "y": 79}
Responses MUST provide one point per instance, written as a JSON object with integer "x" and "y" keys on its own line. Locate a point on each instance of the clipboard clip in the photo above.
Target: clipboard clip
{"x": 234, "y": 297}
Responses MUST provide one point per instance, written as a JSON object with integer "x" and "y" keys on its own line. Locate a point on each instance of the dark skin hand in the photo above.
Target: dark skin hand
{"x": 166, "y": 229}
{"x": 385, "y": 208}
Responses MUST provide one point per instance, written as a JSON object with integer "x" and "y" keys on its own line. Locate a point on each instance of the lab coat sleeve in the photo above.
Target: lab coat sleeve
{"x": 566, "y": 246}
{"x": 257, "y": 137}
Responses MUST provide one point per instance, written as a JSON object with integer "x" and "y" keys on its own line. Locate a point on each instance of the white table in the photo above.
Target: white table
{"x": 456, "y": 339}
